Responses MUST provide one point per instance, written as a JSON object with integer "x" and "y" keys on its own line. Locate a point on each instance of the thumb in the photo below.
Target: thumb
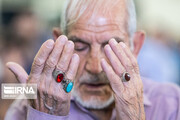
{"x": 18, "y": 71}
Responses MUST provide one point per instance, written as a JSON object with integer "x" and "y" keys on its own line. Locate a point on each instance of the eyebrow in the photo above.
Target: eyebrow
{"x": 76, "y": 39}
{"x": 118, "y": 39}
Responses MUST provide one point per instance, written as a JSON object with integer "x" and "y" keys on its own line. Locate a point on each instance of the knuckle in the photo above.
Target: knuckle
{"x": 116, "y": 62}
{"x": 63, "y": 62}
{"x": 126, "y": 64}
{"x": 119, "y": 52}
{"x": 49, "y": 92}
{"x": 51, "y": 63}
{"x": 59, "y": 67}
{"x": 41, "y": 88}
{"x": 135, "y": 67}
{"x": 70, "y": 75}
{"x": 130, "y": 67}
{"x": 121, "y": 72}
{"x": 111, "y": 75}
{"x": 65, "y": 102}
{"x": 118, "y": 72}
{"x": 134, "y": 63}
{"x": 38, "y": 62}
{"x": 62, "y": 66}
{"x": 63, "y": 99}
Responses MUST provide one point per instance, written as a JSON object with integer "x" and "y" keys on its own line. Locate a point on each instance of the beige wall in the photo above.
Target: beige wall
{"x": 162, "y": 15}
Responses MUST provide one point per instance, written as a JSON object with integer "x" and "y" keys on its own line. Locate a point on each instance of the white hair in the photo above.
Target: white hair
{"x": 72, "y": 10}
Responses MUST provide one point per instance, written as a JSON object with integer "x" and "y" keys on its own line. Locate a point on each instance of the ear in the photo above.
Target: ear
{"x": 138, "y": 41}
{"x": 56, "y": 33}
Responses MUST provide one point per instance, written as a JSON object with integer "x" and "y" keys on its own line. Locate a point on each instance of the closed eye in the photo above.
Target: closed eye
{"x": 79, "y": 46}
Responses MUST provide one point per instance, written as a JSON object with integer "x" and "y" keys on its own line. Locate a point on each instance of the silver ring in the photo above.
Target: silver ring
{"x": 50, "y": 108}
{"x": 59, "y": 76}
{"x": 126, "y": 77}
{"x": 47, "y": 106}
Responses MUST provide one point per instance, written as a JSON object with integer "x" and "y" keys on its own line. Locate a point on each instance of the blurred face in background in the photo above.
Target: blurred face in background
{"x": 26, "y": 26}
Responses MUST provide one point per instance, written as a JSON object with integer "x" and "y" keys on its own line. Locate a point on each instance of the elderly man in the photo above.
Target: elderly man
{"x": 98, "y": 52}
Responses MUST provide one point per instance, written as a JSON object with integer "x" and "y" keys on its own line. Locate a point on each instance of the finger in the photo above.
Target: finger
{"x": 115, "y": 62}
{"x": 18, "y": 71}
{"x": 120, "y": 53}
{"x": 73, "y": 67}
{"x": 41, "y": 57}
{"x": 65, "y": 58}
{"x": 130, "y": 56}
{"x": 42, "y": 92}
{"x": 49, "y": 96}
{"x": 55, "y": 54}
{"x": 114, "y": 79}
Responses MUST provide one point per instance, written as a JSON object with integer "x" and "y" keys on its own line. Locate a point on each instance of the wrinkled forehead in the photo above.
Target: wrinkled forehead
{"x": 97, "y": 12}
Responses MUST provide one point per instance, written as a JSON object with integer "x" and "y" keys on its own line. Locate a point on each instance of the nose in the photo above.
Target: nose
{"x": 93, "y": 64}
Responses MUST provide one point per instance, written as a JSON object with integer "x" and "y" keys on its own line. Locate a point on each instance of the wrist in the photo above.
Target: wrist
{"x": 130, "y": 111}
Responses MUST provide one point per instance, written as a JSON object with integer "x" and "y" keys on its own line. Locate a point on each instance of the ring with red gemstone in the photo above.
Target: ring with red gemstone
{"x": 58, "y": 76}
{"x": 126, "y": 77}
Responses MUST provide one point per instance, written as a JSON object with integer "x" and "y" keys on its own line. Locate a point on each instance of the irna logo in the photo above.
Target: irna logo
{"x": 13, "y": 91}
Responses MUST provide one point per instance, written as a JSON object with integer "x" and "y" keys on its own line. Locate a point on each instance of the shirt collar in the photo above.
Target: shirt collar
{"x": 147, "y": 102}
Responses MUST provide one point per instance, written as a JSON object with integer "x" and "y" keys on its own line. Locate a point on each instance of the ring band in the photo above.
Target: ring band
{"x": 126, "y": 77}
{"x": 50, "y": 108}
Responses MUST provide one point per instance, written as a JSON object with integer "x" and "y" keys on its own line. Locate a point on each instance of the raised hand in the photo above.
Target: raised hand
{"x": 58, "y": 56}
{"x": 128, "y": 95}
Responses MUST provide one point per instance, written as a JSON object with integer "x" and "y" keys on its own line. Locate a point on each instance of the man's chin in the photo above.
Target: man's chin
{"x": 93, "y": 102}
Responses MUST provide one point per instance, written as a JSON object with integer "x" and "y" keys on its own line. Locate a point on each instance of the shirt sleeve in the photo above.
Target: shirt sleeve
{"x": 17, "y": 110}
{"x": 34, "y": 114}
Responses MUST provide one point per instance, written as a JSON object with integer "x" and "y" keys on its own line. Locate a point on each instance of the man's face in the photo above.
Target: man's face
{"x": 90, "y": 35}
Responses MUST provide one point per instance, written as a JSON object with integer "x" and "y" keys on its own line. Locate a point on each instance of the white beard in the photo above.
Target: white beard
{"x": 93, "y": 102}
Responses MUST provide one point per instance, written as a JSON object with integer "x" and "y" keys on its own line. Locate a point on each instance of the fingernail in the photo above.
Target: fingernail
{"x": 114, "y": 41}
{"x": 70, "y": 44}
{"x": 62, "y": 39}
{"x": 107, "y": 47}
{"x": 122, "y": 44}
{"x": 103, "y": 60}
{"x": 50, "y": 43}
{"x": 75, "y": 56}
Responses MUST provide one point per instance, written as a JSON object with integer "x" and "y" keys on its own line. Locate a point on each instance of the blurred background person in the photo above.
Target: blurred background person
{"x": 21, "y": 37}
